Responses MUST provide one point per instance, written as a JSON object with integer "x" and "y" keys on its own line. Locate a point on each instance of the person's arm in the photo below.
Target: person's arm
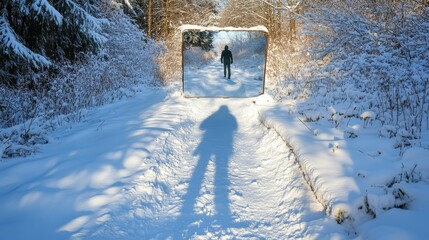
{"x": 232, "y": 60}
{"x": 221, "y": 57}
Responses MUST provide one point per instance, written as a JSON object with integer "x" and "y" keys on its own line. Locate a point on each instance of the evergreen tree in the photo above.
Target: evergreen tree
{"x": 202, "y": 39}
{"x": 36, "y": 33}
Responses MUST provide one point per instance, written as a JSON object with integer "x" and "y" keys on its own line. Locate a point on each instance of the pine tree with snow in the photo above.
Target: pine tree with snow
{"x": 204, "y": 39}
{"x": 37, "y": 33}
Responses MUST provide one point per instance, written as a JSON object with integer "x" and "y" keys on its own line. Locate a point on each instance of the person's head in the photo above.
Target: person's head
{"x": 226, "y": 47}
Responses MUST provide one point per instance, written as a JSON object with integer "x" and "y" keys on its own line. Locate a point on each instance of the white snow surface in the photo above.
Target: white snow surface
{"x": 160, "y": 166}
{"x": 207, "y": 80}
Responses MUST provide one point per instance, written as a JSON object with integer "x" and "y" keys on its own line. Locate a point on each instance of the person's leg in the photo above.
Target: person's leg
{"x": 229, "y": 71}
{"x": 224, "y": 70}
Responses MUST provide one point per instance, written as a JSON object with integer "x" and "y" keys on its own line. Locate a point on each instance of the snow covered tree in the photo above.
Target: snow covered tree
{"x": 203, "y": 39}
{"x": 279, "y": 16}
{"x": 243, "y": 13}
{"x": 161, "y": 18}
{"x": 379, "y": 46}
{"x": 36, "y": 33}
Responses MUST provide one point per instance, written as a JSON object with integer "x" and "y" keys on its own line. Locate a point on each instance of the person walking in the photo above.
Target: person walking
{"x": 226, "y": 59}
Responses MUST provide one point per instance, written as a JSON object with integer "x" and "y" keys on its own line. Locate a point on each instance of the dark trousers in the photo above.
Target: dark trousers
{"x": 229, "y": 70}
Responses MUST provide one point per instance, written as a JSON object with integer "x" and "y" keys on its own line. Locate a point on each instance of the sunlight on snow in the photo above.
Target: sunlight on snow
{"x": 75, "y": 224}
{"x": 104, "y": 177}
{"x": 30, "y": 198}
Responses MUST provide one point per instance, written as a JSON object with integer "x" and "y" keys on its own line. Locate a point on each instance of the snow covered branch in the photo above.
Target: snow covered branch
{"x": 12, "y": 46}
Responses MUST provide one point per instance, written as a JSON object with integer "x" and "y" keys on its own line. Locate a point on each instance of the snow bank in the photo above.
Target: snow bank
{"x": 326, "y": 167}
{"x": 356, "y": 174}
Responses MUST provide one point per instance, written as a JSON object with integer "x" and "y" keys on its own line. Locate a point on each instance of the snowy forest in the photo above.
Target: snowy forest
{"x": 358, "y": 67}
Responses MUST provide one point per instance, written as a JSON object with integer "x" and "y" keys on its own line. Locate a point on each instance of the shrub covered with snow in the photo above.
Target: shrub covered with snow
{"x": 349, "y": 56}
{"x": 247, "y": 45}
{"x": 196, "y": 56}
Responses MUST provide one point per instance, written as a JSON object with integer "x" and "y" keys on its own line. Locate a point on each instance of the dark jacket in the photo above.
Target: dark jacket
{"x": 226, "y": 57}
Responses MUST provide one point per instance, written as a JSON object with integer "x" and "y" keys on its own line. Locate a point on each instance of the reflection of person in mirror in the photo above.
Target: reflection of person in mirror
{"x": 226, "y": 59}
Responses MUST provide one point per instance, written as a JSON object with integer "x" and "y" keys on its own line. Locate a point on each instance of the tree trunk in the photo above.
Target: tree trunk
{"x": 292, "y": 28}
{"x": 149, "y": 19}
{"x": 279, "y": 18}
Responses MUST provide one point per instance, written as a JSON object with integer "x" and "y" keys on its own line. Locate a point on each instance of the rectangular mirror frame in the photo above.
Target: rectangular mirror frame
{"x": 186, "y": 28}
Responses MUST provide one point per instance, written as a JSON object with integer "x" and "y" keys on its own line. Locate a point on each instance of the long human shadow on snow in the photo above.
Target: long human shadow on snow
{"x": 217, "y": 144}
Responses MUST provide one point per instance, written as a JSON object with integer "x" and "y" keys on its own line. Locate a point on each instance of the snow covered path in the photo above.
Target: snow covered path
{"x": 208, "y": 80}
{"x": 166, "y": 167}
